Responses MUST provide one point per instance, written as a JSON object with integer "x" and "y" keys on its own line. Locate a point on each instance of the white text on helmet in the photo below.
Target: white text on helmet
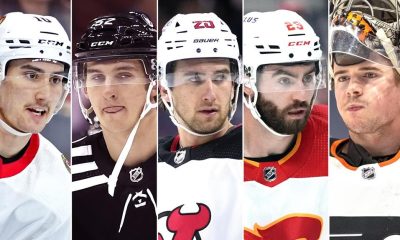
{"x": 102, "y": 43}
{"x": 299, "y": 43}
{"x": 50, "y": 42}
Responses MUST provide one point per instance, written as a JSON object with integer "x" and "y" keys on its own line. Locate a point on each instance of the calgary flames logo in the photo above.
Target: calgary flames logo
{"x": 294, "y": 226}
{"x": 186, "y": 226}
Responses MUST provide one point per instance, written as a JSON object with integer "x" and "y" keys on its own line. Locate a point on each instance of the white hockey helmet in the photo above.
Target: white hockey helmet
{"x": 29, "y": 36}
{"x": 286, "y": 38}
{"x": 278, "y": 37}
{"x": 197, "y": 36}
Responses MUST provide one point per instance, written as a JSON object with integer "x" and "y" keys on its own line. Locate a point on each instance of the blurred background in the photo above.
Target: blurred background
{"x": 82, "y": 13}
{"x": 58, "y": 130}
{"x": 230, "y": 11}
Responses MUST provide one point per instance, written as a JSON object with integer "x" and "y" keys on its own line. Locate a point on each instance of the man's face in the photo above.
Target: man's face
{"x": 203, "y": 93}
{"x": 367, "y": 96}
{"x": 30, "y": 93}
{"x": 117, "y": 92}
{"x": 285, "y": 94}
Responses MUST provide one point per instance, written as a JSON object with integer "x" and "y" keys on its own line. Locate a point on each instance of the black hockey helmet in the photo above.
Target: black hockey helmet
{"x": 113, "y": 37}
{"x": 119, "y": 36}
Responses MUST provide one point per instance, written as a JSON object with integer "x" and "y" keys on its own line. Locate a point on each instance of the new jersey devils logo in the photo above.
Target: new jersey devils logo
{"x": 186, "y": 226}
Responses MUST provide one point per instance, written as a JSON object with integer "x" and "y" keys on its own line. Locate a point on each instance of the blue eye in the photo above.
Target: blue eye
{"x": 97, "y": 78}
{"x": 285, "y": 81}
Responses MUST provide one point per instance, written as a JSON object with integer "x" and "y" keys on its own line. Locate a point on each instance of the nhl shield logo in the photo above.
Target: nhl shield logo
{"x": 136, "y": 174}
{"x": 270, "y": 174}
{"x": 180, "y": 156}
{"x": 368, "y": 173}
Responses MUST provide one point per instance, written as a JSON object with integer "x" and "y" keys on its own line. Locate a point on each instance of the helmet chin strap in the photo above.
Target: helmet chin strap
{"x": 13, "y": 131}
{"x": 170, "y": 107}
{"x": 112, "y": 180}
{"x": 251, "y": 105}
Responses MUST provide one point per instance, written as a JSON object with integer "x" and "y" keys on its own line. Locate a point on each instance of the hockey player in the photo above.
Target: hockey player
{"x": 200, "y": 169}
{"x": 285, "y": 133}
{"x": 35, "y": 62}
{"x": 114, "y": 170}
{"x": 364, "y": 168}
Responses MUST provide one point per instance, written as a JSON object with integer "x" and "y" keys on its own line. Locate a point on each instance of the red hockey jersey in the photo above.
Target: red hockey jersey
{"x": 286, "y": 199}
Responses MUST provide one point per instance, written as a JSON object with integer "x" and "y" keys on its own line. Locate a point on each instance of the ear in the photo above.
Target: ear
{"x": 153, "y": 94}
{"x": 85, "y": 92}
{"x": 164, "y": 93}
{"x": 247, "y": 91}
{"x": 233, "y": 91}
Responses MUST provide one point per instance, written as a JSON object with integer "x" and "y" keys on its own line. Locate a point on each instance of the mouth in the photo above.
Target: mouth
{"x": 208, "y": 111}
{"x": 113, "y": 109}
{"x": 297, "y": 113}
{"x": 354, "y": 108}
{"x": 37, "y": 111}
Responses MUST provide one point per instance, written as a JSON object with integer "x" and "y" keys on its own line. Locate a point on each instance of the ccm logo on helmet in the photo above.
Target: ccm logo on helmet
{"x": 101, "y": 43}
{"x": 50, "y": 42}
{"x": 299, "y": 43}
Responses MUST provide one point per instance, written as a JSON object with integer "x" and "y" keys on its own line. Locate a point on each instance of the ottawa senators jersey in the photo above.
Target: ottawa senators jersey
{"x": 364, "y": 200}
{"x": 130, "y": 213}
{"x": 35, "y": 197}
{"x": 285, "y": 195}
{"x": 199, "y": 189}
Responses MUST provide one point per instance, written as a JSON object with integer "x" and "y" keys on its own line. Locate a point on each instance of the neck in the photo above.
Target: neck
{"x": 381, "y": 143}
{"x": 260, "y": 142}
{"x": 144, "y": 143}
{"x": 187, "y": 139}
{"x": 34, "y": 7}
{"x": 11, "y": 145}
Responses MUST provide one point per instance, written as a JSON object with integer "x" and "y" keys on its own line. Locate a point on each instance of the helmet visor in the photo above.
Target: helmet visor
{"x": 304, "y": 76}
{"x": 197, "y": 71}
{"x": 110, "y": 71}
{"x": 349, "y": 42}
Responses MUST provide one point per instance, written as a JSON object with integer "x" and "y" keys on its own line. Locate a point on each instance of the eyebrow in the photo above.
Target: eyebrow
{"x": 293, "y": 75}
{"x": 121, "y": 68}
{"x": 36, "y": 69}
{"x": 30, "y": 67}
{"x": 361, "y": 69}
{"x": 190, "y": 73}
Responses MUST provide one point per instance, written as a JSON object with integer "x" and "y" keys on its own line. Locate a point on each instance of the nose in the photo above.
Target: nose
{"x": 43, "y": 93}
{"x": 354, "y": 88}
{"x": 109, "y": 92}
{"x": 300, "y": 95}
{"x": 209, "y": 91}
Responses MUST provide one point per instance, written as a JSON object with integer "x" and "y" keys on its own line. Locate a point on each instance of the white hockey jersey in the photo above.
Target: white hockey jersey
{"x": 364, "y": 201}
{"x": 199, "y": 189}
{"x": 35, "y": 194}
